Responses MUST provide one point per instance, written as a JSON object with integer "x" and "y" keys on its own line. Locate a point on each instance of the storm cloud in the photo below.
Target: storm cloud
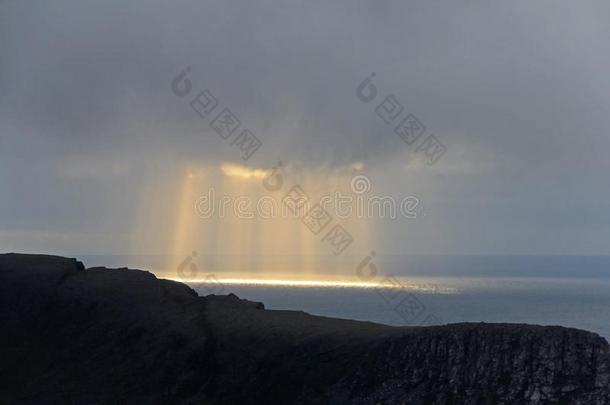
{"x": 517, "y": 92}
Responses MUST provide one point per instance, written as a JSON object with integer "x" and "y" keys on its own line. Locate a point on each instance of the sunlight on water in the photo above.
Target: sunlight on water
{"x": 283, "y": 283}
{"x": 400, "y": 284}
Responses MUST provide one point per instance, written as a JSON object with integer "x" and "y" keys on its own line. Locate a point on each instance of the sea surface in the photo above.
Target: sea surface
{"x": 571, "y": 291}
{"x": 575, "y": 302}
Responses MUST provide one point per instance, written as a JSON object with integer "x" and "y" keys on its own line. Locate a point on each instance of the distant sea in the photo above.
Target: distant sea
{"x": 571, "y": 291}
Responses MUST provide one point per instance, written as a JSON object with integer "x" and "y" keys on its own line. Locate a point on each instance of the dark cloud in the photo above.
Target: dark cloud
{"x": 518, "y": 92}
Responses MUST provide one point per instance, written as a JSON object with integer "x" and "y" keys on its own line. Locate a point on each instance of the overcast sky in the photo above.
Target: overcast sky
{"x": 518, "y": 92}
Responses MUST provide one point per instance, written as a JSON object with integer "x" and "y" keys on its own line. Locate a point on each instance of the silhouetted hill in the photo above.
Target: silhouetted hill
{"x": 114, "y": 336}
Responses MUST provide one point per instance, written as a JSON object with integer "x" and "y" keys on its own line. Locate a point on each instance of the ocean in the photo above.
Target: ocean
{"x": 572, "y": 291}
{"x": 575, "y": 302}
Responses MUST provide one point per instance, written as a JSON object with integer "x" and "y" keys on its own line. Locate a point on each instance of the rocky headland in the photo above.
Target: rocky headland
{"x": 72, "y": 335}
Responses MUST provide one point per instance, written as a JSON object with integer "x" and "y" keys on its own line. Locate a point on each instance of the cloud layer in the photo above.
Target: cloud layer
{"x": 518, "y": 92}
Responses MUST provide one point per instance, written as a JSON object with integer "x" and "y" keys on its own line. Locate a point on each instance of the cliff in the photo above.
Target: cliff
{"x": 112, "y": 336}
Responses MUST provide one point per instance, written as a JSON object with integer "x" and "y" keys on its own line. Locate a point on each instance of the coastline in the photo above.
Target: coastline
{"x": 104, "y": 335}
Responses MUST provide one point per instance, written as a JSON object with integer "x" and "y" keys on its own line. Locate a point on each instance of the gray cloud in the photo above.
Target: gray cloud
{"x": 517, "y": 91}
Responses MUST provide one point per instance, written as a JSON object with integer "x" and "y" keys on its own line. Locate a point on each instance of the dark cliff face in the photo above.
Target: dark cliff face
{"x": 113, "y": 336}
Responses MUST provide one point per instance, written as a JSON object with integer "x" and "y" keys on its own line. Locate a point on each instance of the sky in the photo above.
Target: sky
{"x": 95, "y": 147}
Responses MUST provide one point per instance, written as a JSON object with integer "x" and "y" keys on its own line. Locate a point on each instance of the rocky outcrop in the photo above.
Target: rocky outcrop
{"x": 112, "y": 336}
